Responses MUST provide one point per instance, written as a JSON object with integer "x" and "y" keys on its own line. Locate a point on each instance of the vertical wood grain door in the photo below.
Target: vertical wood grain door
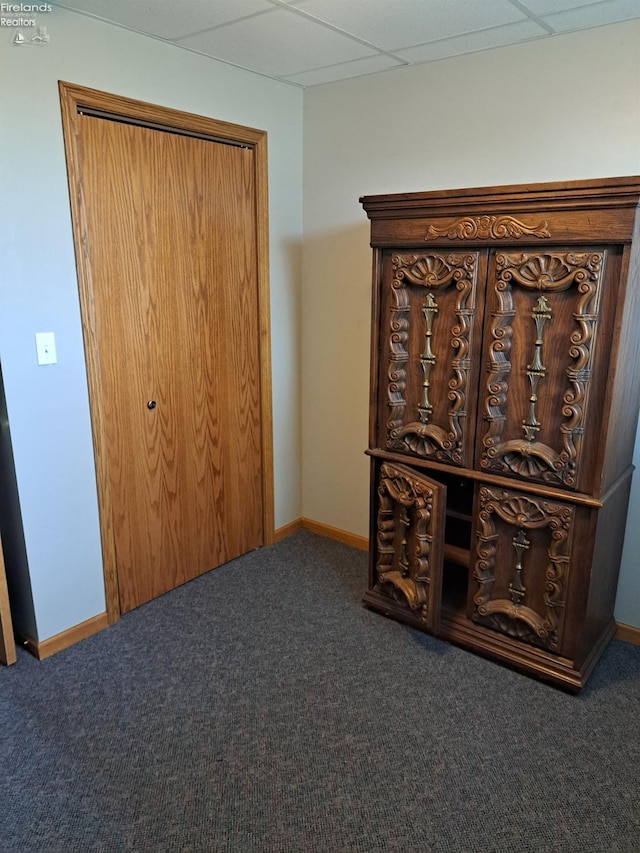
{"x": 169, "y": 224}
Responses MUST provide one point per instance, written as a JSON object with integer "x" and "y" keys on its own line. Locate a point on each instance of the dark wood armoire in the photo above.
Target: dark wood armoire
{"x": 505, "y": 382}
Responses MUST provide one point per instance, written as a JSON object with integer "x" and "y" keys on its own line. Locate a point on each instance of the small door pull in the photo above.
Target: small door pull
{"x": 151, "y": 404}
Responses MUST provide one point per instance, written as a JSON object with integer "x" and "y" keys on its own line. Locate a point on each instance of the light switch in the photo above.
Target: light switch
{"x": 46, "y": 348}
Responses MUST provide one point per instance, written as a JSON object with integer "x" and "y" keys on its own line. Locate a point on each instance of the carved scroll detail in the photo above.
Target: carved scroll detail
{"x": 407, "y": 535}
{"x": 435, "y": 272}
{"x": 513, "y": 616}
{"x": 488, "y": 228}
{"x": 549, "y": 273}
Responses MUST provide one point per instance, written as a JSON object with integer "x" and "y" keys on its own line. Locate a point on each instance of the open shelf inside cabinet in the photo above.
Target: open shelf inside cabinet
{"x": 459, "y": 509}
{"x": 457, "y": 540}
{"x": 455, "y": 583}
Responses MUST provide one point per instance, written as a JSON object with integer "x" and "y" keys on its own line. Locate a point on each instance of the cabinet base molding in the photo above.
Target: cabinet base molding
{"x": 556, "y": 670}
{"x": 42, "y": 649}
{"x": 627, "y": 633}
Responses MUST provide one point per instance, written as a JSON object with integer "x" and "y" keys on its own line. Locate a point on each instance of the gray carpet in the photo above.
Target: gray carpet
{"x": 261, "y": 708}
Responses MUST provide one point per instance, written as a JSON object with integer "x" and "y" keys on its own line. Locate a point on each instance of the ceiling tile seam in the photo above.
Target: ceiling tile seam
{"x": 96, "y": 17}
{"x": 533, "y": 17}
{"x": 408, "y": 63}
{"x": 303, "y": 14}
{"x": 414, "y": 63}
{"x": 403, "y": 61}
{"x": 546, "y": 34}
{"x": 392, "y": 53}
{"x": 261, "y": 13}
{"x": 165, "y": 39}
{"x": 227, "y": 62}
{"x": 606, "y": 4}
{"x": 400, "y": 60}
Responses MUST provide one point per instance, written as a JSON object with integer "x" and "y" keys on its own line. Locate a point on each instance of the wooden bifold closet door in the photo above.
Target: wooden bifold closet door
{"x": 170, "y": 237}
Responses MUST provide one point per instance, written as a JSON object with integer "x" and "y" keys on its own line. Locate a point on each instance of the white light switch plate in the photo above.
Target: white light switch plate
{"x": 46, "y": 348}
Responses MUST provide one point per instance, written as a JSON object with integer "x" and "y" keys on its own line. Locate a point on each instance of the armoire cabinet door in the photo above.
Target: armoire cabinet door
{"x": 521, "y": 565}
{"x": 541, "y": 325}
{"x": 407, "y": 560}
{"x": 429, "y": 341}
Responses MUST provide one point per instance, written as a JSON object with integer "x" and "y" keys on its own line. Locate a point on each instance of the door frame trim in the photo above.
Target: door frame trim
{"x": 72, "y": 99}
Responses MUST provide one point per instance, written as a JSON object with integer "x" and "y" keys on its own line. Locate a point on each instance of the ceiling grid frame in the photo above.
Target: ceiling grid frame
{"x": 312, "y": 42}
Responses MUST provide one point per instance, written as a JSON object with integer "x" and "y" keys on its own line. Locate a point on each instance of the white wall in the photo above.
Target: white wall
{"x": 559, "y": 109}
{"x": 48, "y": 406}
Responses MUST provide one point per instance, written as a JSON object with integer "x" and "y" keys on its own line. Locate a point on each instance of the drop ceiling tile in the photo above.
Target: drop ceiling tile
{"x": 594, "y": 15}
{"x": 550, "y": 7}
{"x": 278, "y": 43}
{"x": 168, "y": 20}
{"x": 471, "y": 42}
{"x": 391, "y": 26}
{"x": 356, "y": 68}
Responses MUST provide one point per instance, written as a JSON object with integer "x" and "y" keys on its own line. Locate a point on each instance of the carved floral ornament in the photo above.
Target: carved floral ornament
{"x": 488, "y": 228}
